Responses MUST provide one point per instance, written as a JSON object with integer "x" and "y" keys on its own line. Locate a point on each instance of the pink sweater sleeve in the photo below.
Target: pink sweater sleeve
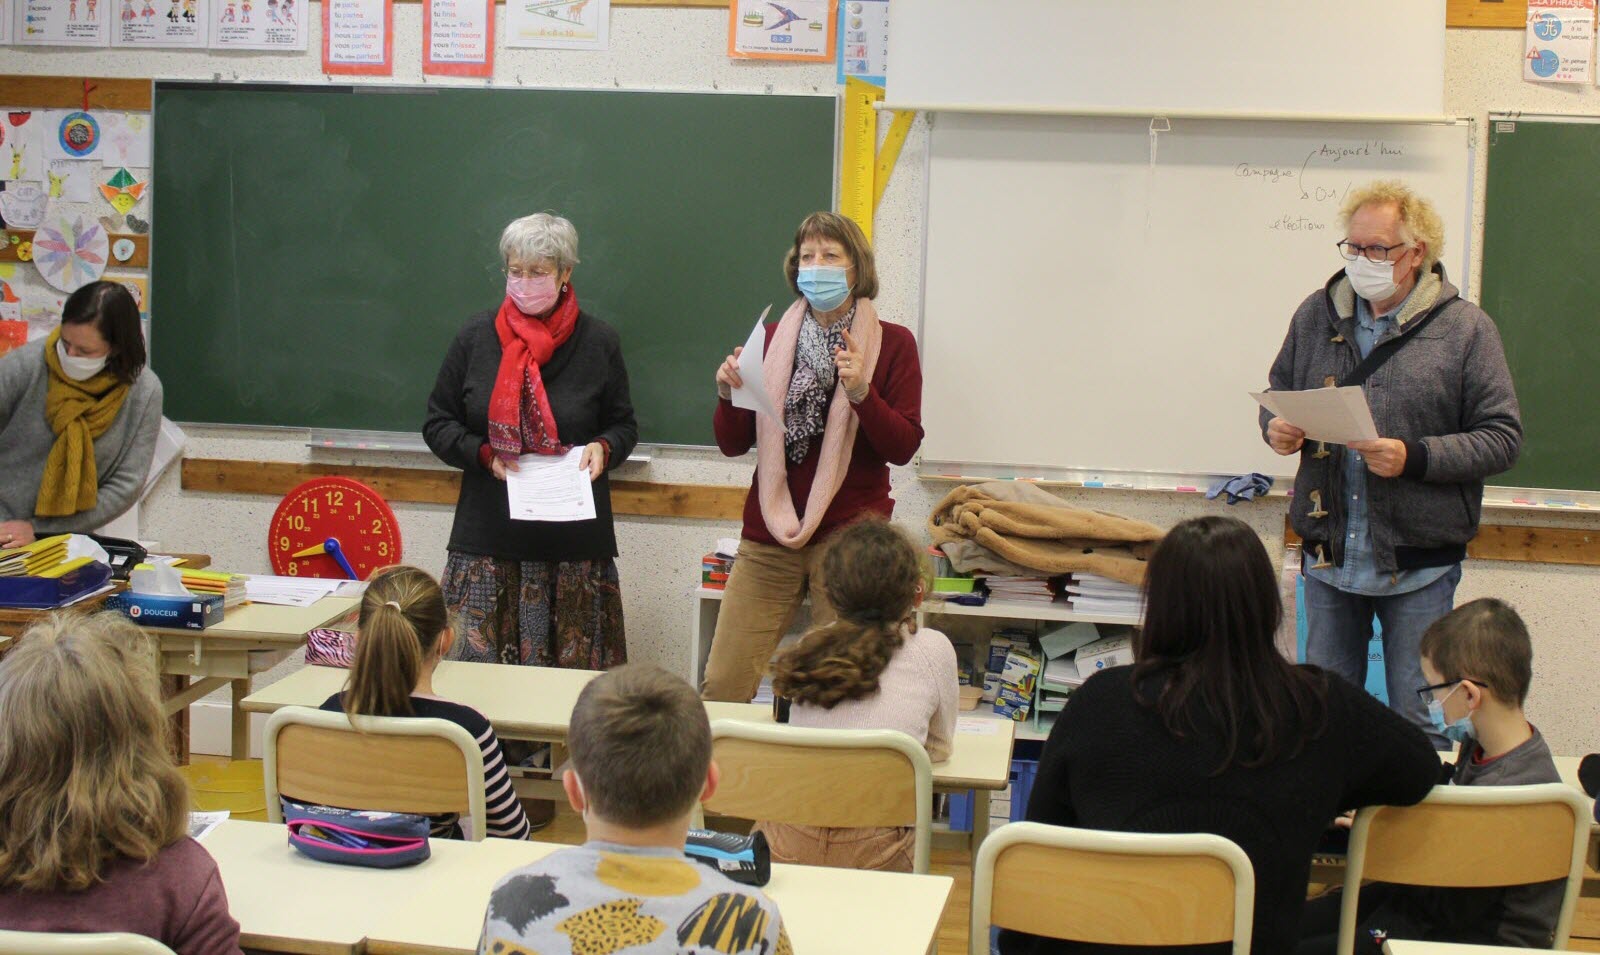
{"x": 939, "y": 656}
{"x": 210, "y": 928}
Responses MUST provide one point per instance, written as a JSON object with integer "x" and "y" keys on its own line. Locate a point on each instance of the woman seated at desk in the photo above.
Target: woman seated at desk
{"x": 79, "y": 416}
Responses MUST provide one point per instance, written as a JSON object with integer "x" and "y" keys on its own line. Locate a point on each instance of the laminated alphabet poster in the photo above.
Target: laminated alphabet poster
{"x": 61, "y": 22}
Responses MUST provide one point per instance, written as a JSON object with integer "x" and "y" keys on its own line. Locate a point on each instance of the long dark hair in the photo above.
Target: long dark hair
{"x": 110, "y": 306}
{"x": 402, "y": 618}
{"x": 1207, "y": 650}
{"x": 871, "y": 573}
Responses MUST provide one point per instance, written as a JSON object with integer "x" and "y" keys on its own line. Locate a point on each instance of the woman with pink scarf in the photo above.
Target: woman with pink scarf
{"x": 849, "y": 388}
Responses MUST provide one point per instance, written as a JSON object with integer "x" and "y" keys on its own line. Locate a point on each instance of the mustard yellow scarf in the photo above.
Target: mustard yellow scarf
{"x": 78, "y": 412}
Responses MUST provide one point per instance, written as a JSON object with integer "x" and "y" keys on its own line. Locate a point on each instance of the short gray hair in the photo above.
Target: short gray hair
{"x": 539, "y": 237}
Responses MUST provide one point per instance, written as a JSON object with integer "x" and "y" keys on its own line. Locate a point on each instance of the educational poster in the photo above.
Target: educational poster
{"x": 258, "y": 25}
{"x": 21, "y": 151}
{"x": 864, "y": 40}
{"x": 161, "y": 24}
{"x": 358, "y": 37}
{"x": 61, "y": 22}
{"x": 791, "y": 30}
{"x": 558, "y": 24}
{"x": 458, "y": 37}
{"x": 125, "y": 137}
{"x": 1560, "y": 41}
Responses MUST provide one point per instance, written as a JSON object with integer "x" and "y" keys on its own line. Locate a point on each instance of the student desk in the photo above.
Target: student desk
{"x": 535, "y": 703}
{"x": 286, "y": 902}
{"x": 1402, "y": 947}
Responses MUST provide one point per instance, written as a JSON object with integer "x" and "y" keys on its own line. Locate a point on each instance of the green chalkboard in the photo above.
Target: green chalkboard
{"x": 315, "y": 248}
{"x": 1541, "y": 250}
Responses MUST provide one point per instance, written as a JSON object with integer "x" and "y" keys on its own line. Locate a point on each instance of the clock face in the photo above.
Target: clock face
{"x": 334, "y": 508}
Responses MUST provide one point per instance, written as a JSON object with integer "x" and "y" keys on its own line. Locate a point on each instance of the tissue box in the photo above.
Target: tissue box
{"x": 175, "y": 613}
{"x": 1101, "y": 654}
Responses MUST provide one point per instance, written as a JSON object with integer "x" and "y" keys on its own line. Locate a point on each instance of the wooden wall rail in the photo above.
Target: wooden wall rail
{"x": 138, "y": 260}
{"x": 1482, "y": 13}
{"x": 426, "y": 486}
{"x": 66, "y": 92}
{"x": 1538, "y": 545}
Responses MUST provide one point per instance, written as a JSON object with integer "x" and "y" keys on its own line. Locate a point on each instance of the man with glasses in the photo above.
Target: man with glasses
{"x": 1386, "y": 522}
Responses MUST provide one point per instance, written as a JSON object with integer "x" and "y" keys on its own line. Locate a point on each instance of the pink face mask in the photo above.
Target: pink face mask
{"x": 532, "y": 295}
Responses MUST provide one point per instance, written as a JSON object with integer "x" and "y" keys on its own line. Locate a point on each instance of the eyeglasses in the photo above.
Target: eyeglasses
{"x": 1425, "y": 693}
{"x": 516, "y": 273}
{"x": 1378, "y": 254}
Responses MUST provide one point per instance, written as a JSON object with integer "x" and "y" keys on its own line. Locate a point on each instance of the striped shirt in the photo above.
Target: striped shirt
{"x": 505, "y": 818}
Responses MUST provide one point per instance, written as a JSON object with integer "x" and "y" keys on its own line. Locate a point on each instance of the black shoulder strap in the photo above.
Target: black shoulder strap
{"x": 1384, "y": 352}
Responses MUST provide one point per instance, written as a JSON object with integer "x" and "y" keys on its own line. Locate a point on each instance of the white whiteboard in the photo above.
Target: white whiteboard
{"x": 1087, "y": 310}
{"x": 1346, "y": 57}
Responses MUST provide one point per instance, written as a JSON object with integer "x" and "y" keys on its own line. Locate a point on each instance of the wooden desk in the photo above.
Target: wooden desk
{"x": 286, "y": 902}
{"x": 534, "y": 703}
{"x": 1402, "y": 947}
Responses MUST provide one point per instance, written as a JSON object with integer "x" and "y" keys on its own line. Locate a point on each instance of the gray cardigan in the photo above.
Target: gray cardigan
{"x": 1446, "y": 393}
{"x": 121, "y": 455}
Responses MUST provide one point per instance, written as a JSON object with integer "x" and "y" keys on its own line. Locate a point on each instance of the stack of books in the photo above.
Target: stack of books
{"x": 1090, "y": 593}
{"x": 717, "y": 565}
{"x": 230, "y": 587}
{"x": 36, "y": 559}
{"x": 1024, "y": 589}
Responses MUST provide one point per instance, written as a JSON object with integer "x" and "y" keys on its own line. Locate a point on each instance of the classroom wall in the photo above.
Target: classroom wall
{"x": 684, "y": 48}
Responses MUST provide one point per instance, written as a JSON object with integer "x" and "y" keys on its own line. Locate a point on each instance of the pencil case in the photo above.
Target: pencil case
{"x": 377, "y": 840}
{"x": 744, "y": 859}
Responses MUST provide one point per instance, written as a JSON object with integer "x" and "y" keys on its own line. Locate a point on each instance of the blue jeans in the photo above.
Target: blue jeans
{"x": 1339, "y": 628}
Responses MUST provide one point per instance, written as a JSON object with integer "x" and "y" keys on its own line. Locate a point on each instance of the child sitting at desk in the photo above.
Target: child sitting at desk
{"x": 641, "y": 761}
{"x": 404, "y": 632}
{"x": 1478, "y": 661}
{"x": 871, "y": 669}
{"x": 94, "y": 817}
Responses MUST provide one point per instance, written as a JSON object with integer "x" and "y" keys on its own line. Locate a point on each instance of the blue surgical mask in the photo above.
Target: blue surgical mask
{"x": 1460, "y": 731}
{"x": 824, "y": 286}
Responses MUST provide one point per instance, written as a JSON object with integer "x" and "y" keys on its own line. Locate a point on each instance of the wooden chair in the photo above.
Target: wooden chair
{"x": 1112, "y": 888}
{"x": 818, "y": 777}
{"x": 1470, "y": 837}
{"x": 393, "y": 764}
{"x": 69, "y": 943}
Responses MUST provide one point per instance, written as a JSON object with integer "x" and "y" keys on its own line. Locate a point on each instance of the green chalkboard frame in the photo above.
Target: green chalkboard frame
{"x": 1540, "y": 247}
{"x": 315, "y": 248}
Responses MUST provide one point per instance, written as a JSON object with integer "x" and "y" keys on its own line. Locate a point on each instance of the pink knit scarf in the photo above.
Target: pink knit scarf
{"x": 839, "y": 440}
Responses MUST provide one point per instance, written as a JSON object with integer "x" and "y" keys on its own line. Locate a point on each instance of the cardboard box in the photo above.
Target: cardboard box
{"x": 1021, "y": 672}
{"x": 1101, "y": 654}
{"x": 991, "y": 687}
{"x": 998, "y": 648}
{"x": 177, "y": 613}
{"x": 1013, "y": 705}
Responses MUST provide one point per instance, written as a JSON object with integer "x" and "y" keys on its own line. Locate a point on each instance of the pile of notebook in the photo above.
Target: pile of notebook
{"x": 41, "y": 575}
{"x": 1041, "y": 590}
{"x": 230, "y": 587}
{"x": 717, "y": 565}
{"x": 1090, "y": 593}
{"x": 46, "y": 557}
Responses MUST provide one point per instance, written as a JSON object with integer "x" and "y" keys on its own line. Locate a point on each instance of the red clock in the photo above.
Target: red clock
{"x": 333, "y": 527}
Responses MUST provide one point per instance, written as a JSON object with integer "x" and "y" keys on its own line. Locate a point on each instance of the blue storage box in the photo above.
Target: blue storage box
{"x": 1023, "y": 773}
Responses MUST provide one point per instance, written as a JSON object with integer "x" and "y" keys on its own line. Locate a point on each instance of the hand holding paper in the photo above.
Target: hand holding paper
{"x": 752, "y": 394}
{"x": 550, "y": 487}
{"x": 1334, "y": 415}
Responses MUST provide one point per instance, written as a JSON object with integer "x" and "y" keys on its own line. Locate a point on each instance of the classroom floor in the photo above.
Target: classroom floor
{"x": 567, "y": 829}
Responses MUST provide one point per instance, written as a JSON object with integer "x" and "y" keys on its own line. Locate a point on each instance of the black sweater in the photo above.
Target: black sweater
{"x": 587, "y": 385}
{"x": 1110, "y": 763}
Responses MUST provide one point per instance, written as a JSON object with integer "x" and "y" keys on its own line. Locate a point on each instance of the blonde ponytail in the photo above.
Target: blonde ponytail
{"x": 402, "y": 618}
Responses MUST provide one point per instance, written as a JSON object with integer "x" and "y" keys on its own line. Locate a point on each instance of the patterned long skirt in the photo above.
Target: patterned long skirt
{"x": 536, "y": 613}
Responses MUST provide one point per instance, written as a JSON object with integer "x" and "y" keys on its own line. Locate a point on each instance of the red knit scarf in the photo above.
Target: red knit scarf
{"x": 520, "y": 420}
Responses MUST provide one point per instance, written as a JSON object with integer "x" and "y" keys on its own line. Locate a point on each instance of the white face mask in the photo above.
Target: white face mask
{"x": 78, "y": 368}
{"x": 1373, "y": 281}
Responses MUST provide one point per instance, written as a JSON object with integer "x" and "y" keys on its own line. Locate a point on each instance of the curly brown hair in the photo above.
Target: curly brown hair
{"x": 872, "y": 575}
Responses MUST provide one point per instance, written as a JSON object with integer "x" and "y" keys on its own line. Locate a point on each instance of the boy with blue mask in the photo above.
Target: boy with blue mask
{"x": 1478, "y": 661}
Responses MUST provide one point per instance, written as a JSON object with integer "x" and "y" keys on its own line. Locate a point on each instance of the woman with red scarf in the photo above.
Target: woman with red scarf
{"x": 536, "y": 375}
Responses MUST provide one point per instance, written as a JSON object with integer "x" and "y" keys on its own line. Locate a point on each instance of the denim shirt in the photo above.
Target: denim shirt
{"x": 1359, "y": 573}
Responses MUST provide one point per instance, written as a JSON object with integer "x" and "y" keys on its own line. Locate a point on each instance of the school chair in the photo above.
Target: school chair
{"x": 393, "y": 764}
{"x": 1471, "y": 837}
{"x": 824, "y": 777}
{"x": 1112, "y": 888}
{"x": 84, "y": 943}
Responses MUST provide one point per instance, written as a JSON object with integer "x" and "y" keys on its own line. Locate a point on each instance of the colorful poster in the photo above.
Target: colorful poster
{"x": 70, "y": 250}
{"x": 175, "y": 24}
{"x": 558, "y": 24}
{"x": 358, "y": 37}
{"x": 61, "y": 22}
{"x": 864, "y": 40}
{"x": 1559, "y": 45}
{"x": 258, "y": 25}
{"x": 21, "y": 152}
{"x": 791, "y": 30}
{"x": 458, "y": 37}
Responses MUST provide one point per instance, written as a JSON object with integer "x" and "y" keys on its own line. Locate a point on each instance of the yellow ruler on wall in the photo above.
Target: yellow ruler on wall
{"x": 864, "y": 166}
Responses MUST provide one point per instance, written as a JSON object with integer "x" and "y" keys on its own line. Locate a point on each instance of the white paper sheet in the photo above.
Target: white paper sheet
{"x": 288, "y": 591}
{"x": 753, "y": 394}
{"x": 977, "y": 726}
{"x": 549, "y": 487}
{"x": 1334, "y": 415}
{"x": 558, "y": 24}
{"x": 201, "y": 823}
